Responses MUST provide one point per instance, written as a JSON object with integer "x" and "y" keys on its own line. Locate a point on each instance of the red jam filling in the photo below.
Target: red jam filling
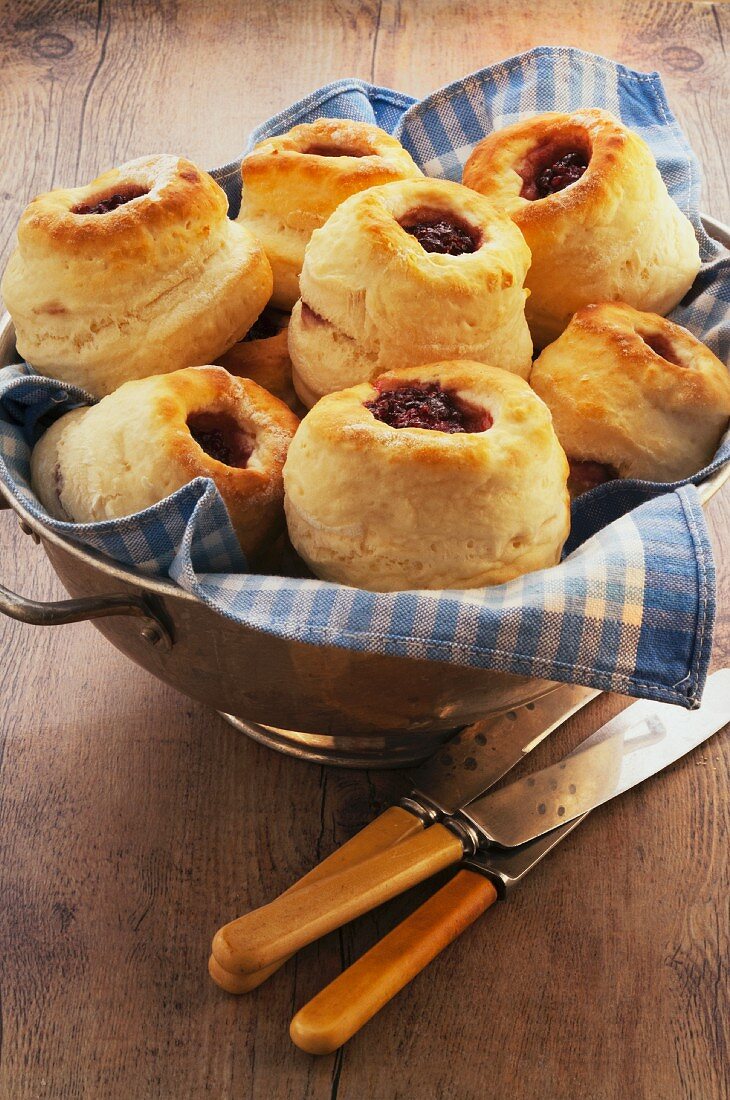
{"x": 547, "y": 171}
{"x": 111, "y": 202}
{"x": 443, "y": 237}
{"x": 437, "y": 231}
{"x": 587, "y": 475}
{"x": 221, "y": 438}
{"x": 335, "y": 151}
{"x": 662, "y": 346}
{"x": 428, "y": 406}
{"x": 267, "y": 325}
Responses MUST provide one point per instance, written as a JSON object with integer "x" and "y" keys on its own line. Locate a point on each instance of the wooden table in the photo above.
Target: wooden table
{"x": 134, "y": 821}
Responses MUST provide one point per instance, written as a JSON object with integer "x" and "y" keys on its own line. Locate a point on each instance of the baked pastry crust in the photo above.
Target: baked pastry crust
{"x": 292, "y": 183}
{"x": 388, "y": 508}
{"x": 614, "y": 235}
{"x": 373, "y": 299}
{"x": 635, "y": 393}
{"x": 135, "y": 447}
{"x": 164, "y": 280}
{"x": 263, "y": 355}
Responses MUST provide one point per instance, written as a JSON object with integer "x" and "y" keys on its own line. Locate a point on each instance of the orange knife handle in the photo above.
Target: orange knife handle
{"x": 263, "y": 936}
{"x": 342, "y": 1007}
{"x": 392, "y": 826}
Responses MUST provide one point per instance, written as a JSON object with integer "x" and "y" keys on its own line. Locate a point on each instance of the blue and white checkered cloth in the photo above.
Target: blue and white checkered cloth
{"x": 630, "y": 609}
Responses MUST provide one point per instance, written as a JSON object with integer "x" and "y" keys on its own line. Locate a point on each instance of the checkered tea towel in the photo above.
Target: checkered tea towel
{"x": 630, "y": 608}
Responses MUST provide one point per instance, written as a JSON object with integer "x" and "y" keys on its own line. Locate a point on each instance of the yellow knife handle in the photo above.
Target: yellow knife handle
{"x": 392, "y": 826}
{"x": 263, "y": 936}
{"x": 347, "y": 1003}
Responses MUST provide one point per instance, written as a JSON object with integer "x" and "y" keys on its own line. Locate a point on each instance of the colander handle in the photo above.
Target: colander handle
{"x": 60, "y": 612}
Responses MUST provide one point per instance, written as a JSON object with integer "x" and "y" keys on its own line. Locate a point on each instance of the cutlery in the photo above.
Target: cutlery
{"x": 641, "y": 740}
{"x": 618, "y": 756}
{"x": 461, "y": 770}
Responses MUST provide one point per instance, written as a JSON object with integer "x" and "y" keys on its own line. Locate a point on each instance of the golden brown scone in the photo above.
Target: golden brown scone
{"x": 263, "y": 355}
{"x": 154, "y": 435}
{"x": 414, "y": 272}
{"x": 292, "y": 183}
{"x": 601, "y": 226}
{"x": 632, "y": 395}
{"x": 442, "y": 476}
{"x": 138, "y": 273}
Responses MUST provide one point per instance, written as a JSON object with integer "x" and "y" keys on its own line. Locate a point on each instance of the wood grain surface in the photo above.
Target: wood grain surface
{"x": 134, "y": 822}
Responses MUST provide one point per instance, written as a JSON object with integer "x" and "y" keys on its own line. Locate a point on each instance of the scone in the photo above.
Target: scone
{"x": 140, "y": 272}
{"x": 632, "y": 395}
{"x": 601, "y": 226}
{"x": 292, "y": 183}
{"x": 409, "y": 273}
{"x": 263, "y": 355}
{"x": 154, "y": 435}
{"x": 442, "y": 476}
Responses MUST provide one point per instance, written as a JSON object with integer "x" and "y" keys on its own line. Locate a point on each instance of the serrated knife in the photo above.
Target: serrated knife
{"x": 470, "y": 763}
{"x": 538, "y": 813}
{"x": 292, "y": 921}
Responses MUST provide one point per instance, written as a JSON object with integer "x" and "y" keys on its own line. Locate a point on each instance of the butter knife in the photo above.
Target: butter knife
{"x": 536, "y": 813}
{"x": 470, "y": 763}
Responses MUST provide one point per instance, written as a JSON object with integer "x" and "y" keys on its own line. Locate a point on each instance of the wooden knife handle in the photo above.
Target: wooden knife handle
{"x": 392, "y": 826}
{"x": 342, "y": 1007}
{"x": 263, "y": 936}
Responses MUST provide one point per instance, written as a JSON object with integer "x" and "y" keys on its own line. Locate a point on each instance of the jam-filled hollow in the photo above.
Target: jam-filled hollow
{"x": 336, "y": 151}
{"x": 552, "y": 167}
{"x": 427, "y": 405}
{"x": 104, "y": 204}
{"x": 441, "y": 231}
{"x": 585, "y": 475}
{"x": 662, "y": 346}
{"x": 221, "y": 437}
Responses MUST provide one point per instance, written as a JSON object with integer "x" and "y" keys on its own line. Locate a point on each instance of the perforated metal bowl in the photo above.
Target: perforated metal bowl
{"x": 316, "y": 702}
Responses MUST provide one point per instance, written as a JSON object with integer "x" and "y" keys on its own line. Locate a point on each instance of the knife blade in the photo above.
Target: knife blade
{"x": 467, "y": 765}
{"x": 292, "y": 922}
{"x": 482, "y": 753}
{"x": 642, "y": 740}
{"x": 339, "y": 1010}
